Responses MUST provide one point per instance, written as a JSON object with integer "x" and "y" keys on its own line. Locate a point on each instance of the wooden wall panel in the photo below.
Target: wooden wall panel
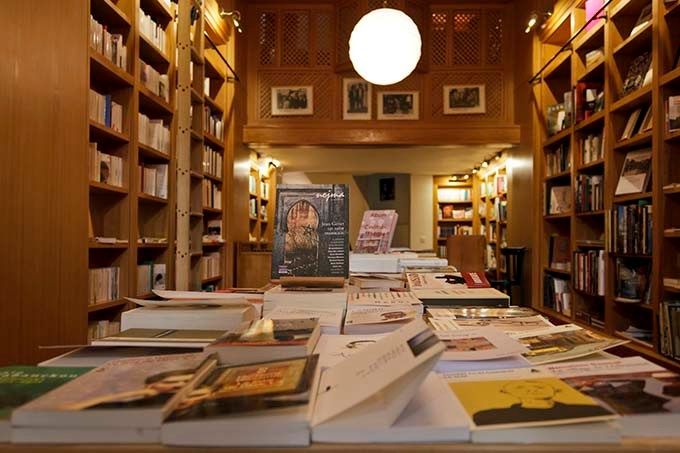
{"x": 465, "y": 44}
{"x": 43, "y": 177}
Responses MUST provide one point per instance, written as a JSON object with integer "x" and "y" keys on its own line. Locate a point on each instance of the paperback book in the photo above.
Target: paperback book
{"x": 311, "y": 231}
{"x": 636, "y": 172}
{"x": 376, "y": 231}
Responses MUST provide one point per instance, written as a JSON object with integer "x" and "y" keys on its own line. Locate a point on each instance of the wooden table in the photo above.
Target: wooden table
{"x": 628, "y": 445}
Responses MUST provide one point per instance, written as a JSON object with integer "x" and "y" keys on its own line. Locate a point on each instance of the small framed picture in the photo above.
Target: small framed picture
{"x": 356, "y": 99}
{"x": 398, "y": 105}
{"x": 464, "y": 99}
{"x": 386, "y": 189}
{"x": 292, "y": 100}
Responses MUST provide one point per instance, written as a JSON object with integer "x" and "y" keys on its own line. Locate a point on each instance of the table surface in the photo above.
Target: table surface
{"x": 627, "y": 445}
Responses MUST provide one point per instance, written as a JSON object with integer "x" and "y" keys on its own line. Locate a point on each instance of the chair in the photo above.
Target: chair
{"x": 514, "y": 265}
{"x": 466, "y": 253}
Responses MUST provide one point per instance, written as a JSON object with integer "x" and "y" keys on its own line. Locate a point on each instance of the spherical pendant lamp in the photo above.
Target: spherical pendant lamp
{"x": 385, "y": 46}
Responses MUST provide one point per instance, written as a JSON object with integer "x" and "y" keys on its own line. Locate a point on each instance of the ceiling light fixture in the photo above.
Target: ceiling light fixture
{"x": 385, "y": 46}
{"x": 485, "y": 164}
{"x": 533, "y": 18}
{"x": 235, "y": 18}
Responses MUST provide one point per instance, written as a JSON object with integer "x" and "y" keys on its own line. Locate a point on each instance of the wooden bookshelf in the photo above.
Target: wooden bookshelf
{"x": 442, "y": 222}
{"x": 592, "y": 229}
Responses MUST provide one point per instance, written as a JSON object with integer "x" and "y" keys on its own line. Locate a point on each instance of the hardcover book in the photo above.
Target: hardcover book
{"x": 261, "y": 404}
{"x": 376, "y": 231}
{"x": 637, "y": 73}
{"x": 311, "y": 236}
{"x": 171, "y": 338}
{"x": 635, "y": 174}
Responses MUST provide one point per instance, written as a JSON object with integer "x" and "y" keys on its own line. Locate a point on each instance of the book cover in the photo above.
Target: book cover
{"x": 376, "y": 231}
{"x": 270, "y": 332}
{"x": 635, "y": 174}
{"x": 637, "y": 70}
{"x": 21, "y": 384}
{"x": 230, "y": 390}
{"x": 560, "y": 199}
{"x": 522, "y": 398}
{"x": 379, "y": 315}
{"x": 311, "y": 236}
{"x": 383, "y": 298}
{"x": 673, "y": 113}
{"x": 160, "y": 337}
{"x": 475, "y": 312}
{"x": 564, "y": 342}
{"x": 505, "y": 324}
{"x": 483, "y": 343}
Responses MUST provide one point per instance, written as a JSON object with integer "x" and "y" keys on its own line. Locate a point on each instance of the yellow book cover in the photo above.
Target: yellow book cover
{"x": 518, "y": 398}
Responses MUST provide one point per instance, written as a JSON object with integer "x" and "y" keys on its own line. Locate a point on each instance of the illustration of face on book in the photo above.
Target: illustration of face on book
{"x": 525, "y": 401}
{"x": 156, "y": 391}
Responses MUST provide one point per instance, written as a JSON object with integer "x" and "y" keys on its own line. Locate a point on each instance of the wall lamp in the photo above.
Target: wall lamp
{"x": 235, "y": 18}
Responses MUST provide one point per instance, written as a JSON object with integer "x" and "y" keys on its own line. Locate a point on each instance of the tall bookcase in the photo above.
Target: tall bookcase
{"x": 142, "y": 224}
{"x": 492, "y": 210}
{"x": 261, "y": 202}
{"x": 446, "y": 221}
{"x": 591, "y": 229}
{"x": 208, "y": 159}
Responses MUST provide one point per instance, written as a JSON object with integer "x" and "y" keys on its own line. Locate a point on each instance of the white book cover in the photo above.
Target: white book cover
{"x": 464, "y": 294}
{"x": 504, "y": 363}
{"x": 383, "y": 299}
{"x": 195, "y": 295}
{"x": 330, "y": 319}
{"x": 368, "y": 262}
{"x": 333, "y": 349}
{"x": 432, "y": 415}
{"x": 522, "y": 397}
{"x": 178, "y": 303}
{"x": 359, "y": 315}
{"x": 372, "y": 387}
{"x": 480, "y": 312}
{"x": 188, "y": 317}
{"x": 482, "y": 343}
{"x": 565, "y": 342}
{"x": 638, "y": 390}
{"x": 635, "y": 173}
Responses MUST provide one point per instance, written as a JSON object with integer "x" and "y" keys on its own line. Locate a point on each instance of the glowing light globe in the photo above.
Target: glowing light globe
{"x": 385, "y": 46}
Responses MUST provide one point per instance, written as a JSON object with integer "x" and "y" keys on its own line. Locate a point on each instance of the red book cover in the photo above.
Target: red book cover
{"x": 475, "y": 280}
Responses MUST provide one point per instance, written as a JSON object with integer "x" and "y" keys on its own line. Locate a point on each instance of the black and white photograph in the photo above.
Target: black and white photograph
{"x": 356, "y": 99}
{"x": 464, "y": 99}
{"x": 398, "y": 105}
{"x": 293, "y": 100}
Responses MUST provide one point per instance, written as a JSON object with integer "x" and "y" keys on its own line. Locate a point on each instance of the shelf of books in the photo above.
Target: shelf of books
{"x": 608, "y": 165}
{"x": 208, "y": 163}
{"x": 261, "y": 202}
{"x": 455, "y": 210}
{"x": 492, "y": 210}
{"x": 130, "y": 154}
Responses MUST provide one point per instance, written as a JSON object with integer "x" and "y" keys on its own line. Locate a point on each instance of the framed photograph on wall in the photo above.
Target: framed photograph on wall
{"x": 464, "y": 99}
{"x": 292, "y": 100}
{"x": 398, "y": 105}
{"x": 387, "y": 189}
{"x": 356, "y": 99}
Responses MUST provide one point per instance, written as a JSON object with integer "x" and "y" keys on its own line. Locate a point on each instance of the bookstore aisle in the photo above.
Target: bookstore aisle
{"x": 352, "y": 225}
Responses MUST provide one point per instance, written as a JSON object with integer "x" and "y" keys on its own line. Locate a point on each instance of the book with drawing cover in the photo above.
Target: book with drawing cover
{"x": 126, "y": 393}
{"x": 264, "y": 340}
{"x": 637, "y": 73}
{"x": 434, "y": 280}
{"x": 560, "y": 253}
{"x": 171, "y": 338}
{"x": 560, "y": 200}
{"x": 482, "y": 343}
{"x": 260, "y": 404}
{"x": 376, "y": 231}
{"x": 21, "y": 384}
{"x": 378, "y": 319}
{"x": 636, "y": 172}
{"x": 311, "y": 235}
{"x": 566, "y": 342}
{"x": 645, "y": 395}
{"x": 501, "y": 401}
{"x": 372, "y": 387}
{"x": 333, "y": 349}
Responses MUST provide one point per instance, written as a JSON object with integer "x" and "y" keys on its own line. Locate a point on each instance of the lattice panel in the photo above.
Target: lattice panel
{"x": 295, "y": 38}
{"x": 267, "y": 38}
{"x": 323, "y": 99}
{"x": 438, "y": 43}
{"x": 495, "y": 95}
{"x": 494, "y": 46}
{"x": 347, "y": 17}
{"x": 467, "y": 36}
{"x": 323, "y": 37}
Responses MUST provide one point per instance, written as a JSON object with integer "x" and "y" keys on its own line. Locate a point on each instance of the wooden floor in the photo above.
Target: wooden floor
{"x": 629, "y": 445}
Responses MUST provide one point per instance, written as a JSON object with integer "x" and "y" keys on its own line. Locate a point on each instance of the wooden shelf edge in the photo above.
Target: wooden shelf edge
{"x": 632, "y": 197}
{"x": 557, "y": 137}
{"x": 151, "y": 152}
{"x": 637, "y": 139}
{"x": 632, "y": 99}
{"x": 152, "y": 198}
{"x": 105, "y": 305}
{"x": 108, "y": 132}
{"x": 102, "y": 187}
{"x": 211, "y": 280}
{"x": 590, "y": 121}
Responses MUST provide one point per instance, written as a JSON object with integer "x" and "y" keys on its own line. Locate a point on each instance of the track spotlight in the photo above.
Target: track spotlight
{"x": 235, "y": 18}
